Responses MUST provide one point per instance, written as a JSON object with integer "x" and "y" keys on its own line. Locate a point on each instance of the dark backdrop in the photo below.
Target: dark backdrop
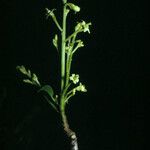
{"x": 110, "y": 116}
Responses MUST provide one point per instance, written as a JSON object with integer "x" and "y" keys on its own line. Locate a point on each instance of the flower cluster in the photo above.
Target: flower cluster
{"x": 75, "y": 79}
{"x": 80, "y": 88}
{"x": 82, "y": 27}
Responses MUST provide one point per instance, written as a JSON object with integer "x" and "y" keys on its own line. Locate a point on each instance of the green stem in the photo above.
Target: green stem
{"x": 75, "y": 49}
{"x": 69, "y": 132}
{"x": 69, "y": 68}
{"x": 63, "y": 45}
{"x": 72, "y": 35}
{"x": 64, "y": 119}
{"x": 68, "y": 97}
{"x": 63, "y": 64}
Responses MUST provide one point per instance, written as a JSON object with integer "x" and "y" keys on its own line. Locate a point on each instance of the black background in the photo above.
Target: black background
{"x": 110, "y": 116}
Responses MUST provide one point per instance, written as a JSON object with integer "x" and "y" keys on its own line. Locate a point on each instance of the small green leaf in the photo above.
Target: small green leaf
{"x": 27, "y": 81}
{"x": 49, "y": 90}
{"x": 22, "y": 69}
{"x": 29, "y": 73}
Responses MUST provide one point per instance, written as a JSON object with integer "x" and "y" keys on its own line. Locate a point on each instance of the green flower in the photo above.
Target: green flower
{"x": 80, "y": 43}
{"x": 50, "y": 12}
{"x": 74, "y": 78}
{"x": 81, "y": 88}
{"x": 86, "y": 26}
{"x": 83, "y": 27}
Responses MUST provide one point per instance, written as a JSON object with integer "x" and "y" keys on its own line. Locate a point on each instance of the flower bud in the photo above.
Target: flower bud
{"x": 55, "y": 41}
{"x": 73, "y": 7}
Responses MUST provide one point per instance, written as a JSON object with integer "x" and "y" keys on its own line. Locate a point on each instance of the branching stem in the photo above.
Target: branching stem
{"x": 65, "y": 72}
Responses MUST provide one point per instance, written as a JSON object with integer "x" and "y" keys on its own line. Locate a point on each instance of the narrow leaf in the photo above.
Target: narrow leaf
{"x": 27, "y": 81}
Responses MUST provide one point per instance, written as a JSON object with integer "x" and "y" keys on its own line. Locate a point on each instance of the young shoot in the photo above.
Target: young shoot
{"x": 69, "y": 82}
